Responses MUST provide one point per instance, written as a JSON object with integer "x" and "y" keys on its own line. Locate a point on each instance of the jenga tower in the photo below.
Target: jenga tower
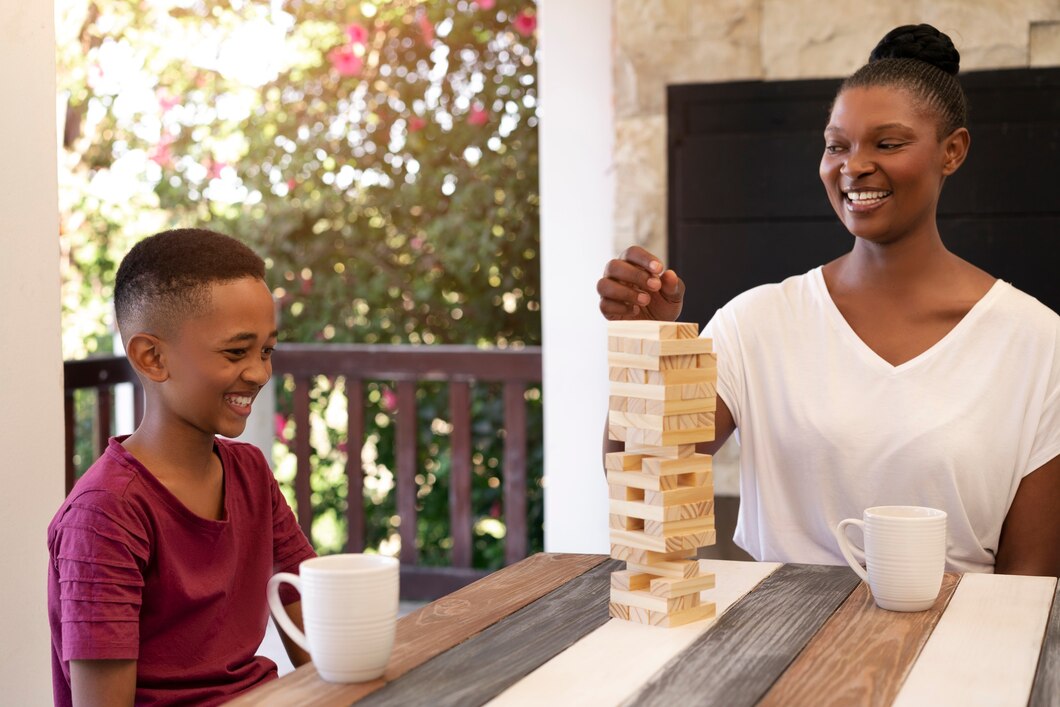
{"x": 662, "y": 492}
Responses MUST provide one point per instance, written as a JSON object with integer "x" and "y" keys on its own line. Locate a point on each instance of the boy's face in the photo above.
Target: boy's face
{"x": 219, "y": 360}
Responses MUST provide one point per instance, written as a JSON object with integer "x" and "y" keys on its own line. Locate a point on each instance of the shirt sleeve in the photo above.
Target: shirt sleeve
{"x": 289, "y": 544}
{"x": 1046, "y": 444}
{"x": 723, "y": 331}
{"x": 97, "y": 554}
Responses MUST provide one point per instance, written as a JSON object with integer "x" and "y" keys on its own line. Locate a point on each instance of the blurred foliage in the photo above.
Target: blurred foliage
{"x": 382, "y": 157}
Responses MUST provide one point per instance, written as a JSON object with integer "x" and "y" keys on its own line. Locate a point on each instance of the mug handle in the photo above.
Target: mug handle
{"x": 279, "y": 613}
{"x": 844, "y": 545}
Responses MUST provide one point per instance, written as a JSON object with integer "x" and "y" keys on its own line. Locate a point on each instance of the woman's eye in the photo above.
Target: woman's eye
{"x": 833, "y": 149}
{"x": 890, "y": 145}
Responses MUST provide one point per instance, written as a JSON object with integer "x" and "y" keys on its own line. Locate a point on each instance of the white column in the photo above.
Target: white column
{"x": 31, "y": 420}
{"x": 577, "y": 194}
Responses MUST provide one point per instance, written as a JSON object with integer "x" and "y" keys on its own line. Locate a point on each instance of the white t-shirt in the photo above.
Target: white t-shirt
{"x": 827, "y": 428}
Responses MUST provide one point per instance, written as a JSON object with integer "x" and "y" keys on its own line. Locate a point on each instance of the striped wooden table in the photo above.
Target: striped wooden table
{"x": 538, "y": 633}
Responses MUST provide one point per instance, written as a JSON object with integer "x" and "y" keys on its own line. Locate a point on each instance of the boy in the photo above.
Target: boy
{"x": 161, "y": 553}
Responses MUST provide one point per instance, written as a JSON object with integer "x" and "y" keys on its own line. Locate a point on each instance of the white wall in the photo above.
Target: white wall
{"x": 577, "y": 198}
{"x": 31, "y": 418}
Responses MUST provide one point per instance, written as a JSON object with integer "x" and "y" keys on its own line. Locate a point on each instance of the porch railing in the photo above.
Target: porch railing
{"x": 459, "y": 366}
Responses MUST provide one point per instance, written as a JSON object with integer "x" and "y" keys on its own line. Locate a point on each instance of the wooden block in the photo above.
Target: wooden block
{"x": 668, "y": 528}
{"x": 670, "y": 586}
{"x": 618, "y": 611}
{"x": 673, "y": 407}
{"x": 679, "y": 376}
{"x": 625, "y": 344}
{"x": 618, "y": 375}
{"x": 707, "y": 360}
{"x": 647, "y": 482}
{"x": 663, "y": 438}
{"x": 651, "y": 602}
{"x": 670, "y": 362}
{"x": 679, "y": 496}
{"x": 619, "y": 492}
{"x": 676, "y": 569}
{"x": 687, "y": 391}
{"x": 673, "y": 543}
{"x": 637, "y": 405}
{"x": 623, "y": 461}
{"x": 616, "y": 433}
{"x": 621, "y": 522}
{"x": 699, "y": 613}
{"x": 672, "y": 451}
{"x": 613, "y": 343}
{"x": 640, "y": 557}
{"x": 676, "y": 347}
{"x": 638, "y": 361}
{"x": 694, "y": 463}
{"x": 655, "y": 331}
{"x": 699, "y": 420}
{"x": 617, "y": 402}
{"x": 639, "y": 509}
{"x": 631, "y": 581}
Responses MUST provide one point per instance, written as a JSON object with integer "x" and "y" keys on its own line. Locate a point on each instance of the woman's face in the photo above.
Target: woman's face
{"x": 883, "y": 163}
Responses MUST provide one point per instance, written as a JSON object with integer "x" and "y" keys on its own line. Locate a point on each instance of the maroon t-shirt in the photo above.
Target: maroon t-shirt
{"x": 134, "y": 574}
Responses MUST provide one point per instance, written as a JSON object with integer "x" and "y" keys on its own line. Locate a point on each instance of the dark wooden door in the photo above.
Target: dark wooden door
{"x": 746, "y": 206}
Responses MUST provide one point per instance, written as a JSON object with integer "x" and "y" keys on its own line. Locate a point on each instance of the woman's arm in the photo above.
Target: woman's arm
{"x": 1030, "y": 536}
{"x": 294, "y": 651}
{"x": 105, "y": 683}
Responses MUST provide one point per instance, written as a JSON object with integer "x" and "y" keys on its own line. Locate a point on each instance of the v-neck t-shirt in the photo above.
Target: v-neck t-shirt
{"x": 135, "y": 574}
{"x": 828, "y": 428}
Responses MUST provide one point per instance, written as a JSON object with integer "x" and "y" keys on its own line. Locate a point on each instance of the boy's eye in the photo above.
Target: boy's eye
{"x": 267, "y": 351}
{"x": 889, "y": 145}
{"x": 236, "y": 352}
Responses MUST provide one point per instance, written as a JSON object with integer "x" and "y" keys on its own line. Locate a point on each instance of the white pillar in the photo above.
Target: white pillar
{"x": 31, "y": 419}
{"x": 577, "y": 195}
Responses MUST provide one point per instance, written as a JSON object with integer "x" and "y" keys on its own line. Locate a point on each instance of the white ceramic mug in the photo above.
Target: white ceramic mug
{"x": 349, "y": 609}
{"x": 905, "y": 552}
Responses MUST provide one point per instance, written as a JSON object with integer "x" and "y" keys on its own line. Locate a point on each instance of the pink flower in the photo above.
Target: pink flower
{"x": 486, "y": 4}
{"x": 161, "y": 154}
{"x": 345, "y": 62}
{"x": 389, "y": 400}
{"x": 357, "y": 33}
{"x": 291, "y": 184}
{"x": 416, "y": 124}
{"x": 281, "y": 424}
{"x": 214, "y": 170}
{"x": 426, "y": 27}
{"x": 478, "y": 116}
{"x": 525, "y": 23}
{"x": 167, "y": 101}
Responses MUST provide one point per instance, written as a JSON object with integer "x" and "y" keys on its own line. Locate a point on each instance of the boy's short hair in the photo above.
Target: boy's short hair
{"x": 164, "y": 278}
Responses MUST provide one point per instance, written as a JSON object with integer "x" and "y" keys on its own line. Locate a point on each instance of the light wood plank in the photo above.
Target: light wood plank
{"x": 433, "y": 629}
{"x": 985, "y": 648}
{"x": 735, "y": 663}
{"x": 482, "y": 667}
{"x": 609, "y": 664}
{"x": 1046, "y": 691}
{"x": 861, "y": 656}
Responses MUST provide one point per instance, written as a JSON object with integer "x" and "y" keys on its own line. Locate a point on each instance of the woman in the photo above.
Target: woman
{"x": 898, "y": 373}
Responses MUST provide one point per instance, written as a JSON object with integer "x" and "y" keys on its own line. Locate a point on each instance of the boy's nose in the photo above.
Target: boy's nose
{"x": 258, "y": 372}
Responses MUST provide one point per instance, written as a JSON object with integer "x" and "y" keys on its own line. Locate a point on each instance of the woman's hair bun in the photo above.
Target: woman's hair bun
{"x": 922, "y": 42}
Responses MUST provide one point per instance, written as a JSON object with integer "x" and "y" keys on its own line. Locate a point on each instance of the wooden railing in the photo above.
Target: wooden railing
{"x": 459, "y": 366}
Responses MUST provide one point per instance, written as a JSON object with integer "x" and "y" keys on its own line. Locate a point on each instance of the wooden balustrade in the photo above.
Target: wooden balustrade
{"x": 459, "y": 366}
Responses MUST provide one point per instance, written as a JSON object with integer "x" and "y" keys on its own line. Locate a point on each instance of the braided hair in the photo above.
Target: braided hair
{"x": 923, "y": 61}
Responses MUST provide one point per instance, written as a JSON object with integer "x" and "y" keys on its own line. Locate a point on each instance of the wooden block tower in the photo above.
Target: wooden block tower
{"x": 661, "y": 491}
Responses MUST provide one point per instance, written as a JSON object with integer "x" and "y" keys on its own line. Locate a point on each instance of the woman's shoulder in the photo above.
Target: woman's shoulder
{"x": 792, "y": 293}
{"x": 1025, "y": 310}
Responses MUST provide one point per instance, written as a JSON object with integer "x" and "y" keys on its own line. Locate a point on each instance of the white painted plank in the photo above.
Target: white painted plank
{"x": 984, "y": 650}
{"x": 615, "y": 660}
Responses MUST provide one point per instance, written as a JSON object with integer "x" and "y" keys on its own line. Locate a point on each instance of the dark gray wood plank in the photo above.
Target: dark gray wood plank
{"x": 482, "y": 667}
{"x": 1046, "y": 690}
{"x": 737, "y": 661}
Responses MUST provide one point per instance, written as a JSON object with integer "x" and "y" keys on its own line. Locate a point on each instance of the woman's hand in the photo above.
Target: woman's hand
{"x": 635, "y": 286}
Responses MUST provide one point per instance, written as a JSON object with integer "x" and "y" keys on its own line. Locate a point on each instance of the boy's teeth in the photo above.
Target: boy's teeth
{"x": 238, "y": 400}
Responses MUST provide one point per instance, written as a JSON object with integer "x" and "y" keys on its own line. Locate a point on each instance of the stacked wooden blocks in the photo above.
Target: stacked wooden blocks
{"x": 662, "y": 492}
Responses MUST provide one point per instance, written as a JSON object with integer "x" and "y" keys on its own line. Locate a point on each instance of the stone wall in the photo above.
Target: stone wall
{"x": 661, "y": 42}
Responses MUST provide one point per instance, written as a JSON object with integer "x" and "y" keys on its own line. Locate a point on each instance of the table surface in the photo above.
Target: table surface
{"x": 538, "y": 632}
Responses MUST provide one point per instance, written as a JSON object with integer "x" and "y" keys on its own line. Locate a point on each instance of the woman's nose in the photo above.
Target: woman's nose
{"x": 857, "y": 164}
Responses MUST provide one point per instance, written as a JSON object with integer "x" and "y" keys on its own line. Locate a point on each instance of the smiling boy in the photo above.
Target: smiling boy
{"x": 161, "y": 553}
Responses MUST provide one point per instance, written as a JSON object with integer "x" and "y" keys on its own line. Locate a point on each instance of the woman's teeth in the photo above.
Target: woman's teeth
{"x": 866, "y": 197}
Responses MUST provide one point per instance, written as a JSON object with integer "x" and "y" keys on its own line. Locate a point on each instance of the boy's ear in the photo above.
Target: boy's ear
{"x": 145, "y": 354}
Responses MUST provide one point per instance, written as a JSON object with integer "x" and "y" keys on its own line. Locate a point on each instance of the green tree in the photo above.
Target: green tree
{"x": 382, "y": 156}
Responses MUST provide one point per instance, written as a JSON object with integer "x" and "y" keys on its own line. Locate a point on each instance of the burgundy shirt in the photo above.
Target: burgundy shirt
{"x": 134, "y": 574}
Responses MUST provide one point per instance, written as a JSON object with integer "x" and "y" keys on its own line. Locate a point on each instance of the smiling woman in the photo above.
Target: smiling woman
{"x": 886, "y": 376}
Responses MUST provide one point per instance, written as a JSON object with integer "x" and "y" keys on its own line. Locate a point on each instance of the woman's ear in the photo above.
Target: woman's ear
{"x": 955, "y": 150}
{"x": 145, "y": 354}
